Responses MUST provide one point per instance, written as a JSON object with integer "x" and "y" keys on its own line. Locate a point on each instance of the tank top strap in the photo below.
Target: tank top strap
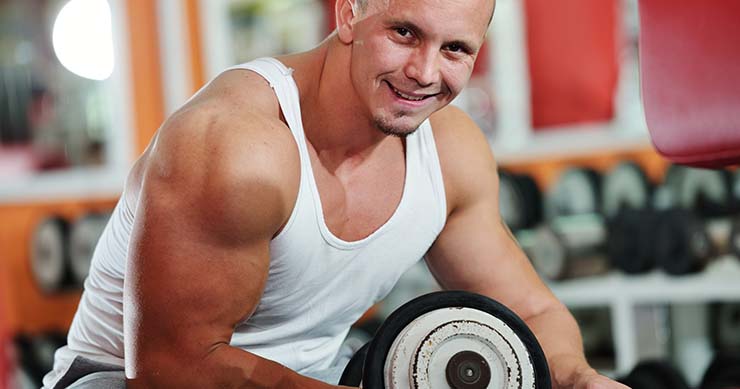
{"x": 280, "y": 78}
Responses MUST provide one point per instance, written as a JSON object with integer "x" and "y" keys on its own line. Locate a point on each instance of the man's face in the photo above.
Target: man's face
{"x": 412, "y": 57}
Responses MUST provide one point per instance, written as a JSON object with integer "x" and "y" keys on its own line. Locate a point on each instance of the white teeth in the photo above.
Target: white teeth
{"x": 407, "y": 97}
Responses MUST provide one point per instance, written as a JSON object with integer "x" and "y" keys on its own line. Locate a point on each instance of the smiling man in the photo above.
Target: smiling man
{"x": 288, "y": 196}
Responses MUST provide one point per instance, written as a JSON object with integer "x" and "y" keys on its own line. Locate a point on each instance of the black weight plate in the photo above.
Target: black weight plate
{"x": 682, "y": 243}
{"x": 725, "y": 324}
{"x": 82, "y": 241}
{"x": 723, "y": 372}
{"x": 655, "y": 374}
{"x": 352, "y": 374}
{"x": 708, "y": 192}
{"x": 625, "y": 186}
{"x": 577, "y": 191}
{"x": 512, "y": 202}
{"x": 373, "y": 374}
{"x": 735, "y": 237}
{"x": 50, "y": 254}
{"x": 532, "y": 199}
{"x": 630, "y": 243}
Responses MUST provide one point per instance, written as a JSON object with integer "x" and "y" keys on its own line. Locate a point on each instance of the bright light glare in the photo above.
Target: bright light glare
{"x": 83, "y": 40}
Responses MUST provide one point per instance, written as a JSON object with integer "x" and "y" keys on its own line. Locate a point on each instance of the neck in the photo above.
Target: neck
{"x": 334, "y": 120}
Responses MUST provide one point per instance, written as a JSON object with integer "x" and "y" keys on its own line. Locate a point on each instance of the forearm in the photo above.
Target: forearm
{"x": 560, "y": 338}
{"x": 224, "y": 367}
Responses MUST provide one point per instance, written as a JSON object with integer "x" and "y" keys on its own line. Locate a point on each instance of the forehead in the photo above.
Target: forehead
{"x": 469, "y": 17}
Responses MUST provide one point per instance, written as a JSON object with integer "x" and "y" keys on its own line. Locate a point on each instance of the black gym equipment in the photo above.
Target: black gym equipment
{"x": 625, "y": 186}
{"x": 450, "y": 339}
{"x": 520, "y": 200}
{"x": 567, "y": 247}
{"x": 654, "y": 374}
{"x": 725, "y": 326}
{"x": 723, "y": 372}
{"x": 50, "y": 254}
{"x": 576, "y": 192}
{"x": 84, "y": 236}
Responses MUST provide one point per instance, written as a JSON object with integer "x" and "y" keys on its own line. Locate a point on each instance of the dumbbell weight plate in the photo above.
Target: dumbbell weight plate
{"x": 548, "y": 254}
{"x": 655, "y": 374}
{"x": 625, "y": 186}
{"x": 511, "y": 201}
{"x": 49, "y": 252}
{"x": 83, "y": 238}
{"x": 577, "y": 191}
{"x": 706, "y": 191}
{"x": 723, "y": 372}
{"x": 419, "y": 345}
{"x": 631, "y": 243}
{"x": 725, "y": 321}
{"x": 532, "y": 199}
{"x": 352, "y": 375}
{"x": 683, "y": 245}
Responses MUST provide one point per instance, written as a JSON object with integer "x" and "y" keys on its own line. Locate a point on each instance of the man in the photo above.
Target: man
{"x": 287, "y": 197}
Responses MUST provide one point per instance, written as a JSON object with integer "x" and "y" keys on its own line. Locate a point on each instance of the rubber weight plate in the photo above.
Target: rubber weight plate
{"x": 725, "y": 322}
{"x": 532, "y": 199}
{"x": 512, "y": 202}
{"x": 454, "y": 339}
{"x": 49, "y": 254}
{"x": 706, "y": 191}
{"x": 625, "y": 186}
{"x": 723, "y": 372}
{"x": 655, "y": 374}
{"x": 83, "y": 238}
{"x": 631, "y": 240}
{"x": 577, "y": 191}
{"x": 352, "y": 374}
{"x": 682, "y": 243}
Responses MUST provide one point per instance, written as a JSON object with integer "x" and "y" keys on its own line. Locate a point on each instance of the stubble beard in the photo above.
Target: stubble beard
{"x": 388, "y": 128}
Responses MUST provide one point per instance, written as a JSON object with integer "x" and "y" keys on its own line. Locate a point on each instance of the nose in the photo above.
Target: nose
{"x": 423, "y": 67}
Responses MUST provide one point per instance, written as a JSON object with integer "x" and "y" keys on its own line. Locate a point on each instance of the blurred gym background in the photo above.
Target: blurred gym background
{"x": 644, "y": 253}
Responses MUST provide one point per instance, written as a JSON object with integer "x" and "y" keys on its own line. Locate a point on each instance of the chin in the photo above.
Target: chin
{"x": 398, "y": 128}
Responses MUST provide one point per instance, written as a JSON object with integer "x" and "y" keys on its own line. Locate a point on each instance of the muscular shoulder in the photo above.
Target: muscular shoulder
{"x": 467, "y": 162}
{"x": 228, "y": 152}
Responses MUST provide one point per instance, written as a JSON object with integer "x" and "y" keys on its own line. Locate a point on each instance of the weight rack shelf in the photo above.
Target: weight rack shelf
{"x": 623, "y": 294}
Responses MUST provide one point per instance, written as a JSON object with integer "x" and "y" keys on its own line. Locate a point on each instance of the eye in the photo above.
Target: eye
{"x": 456, "y": 48}
{"x": 403, "y": 32}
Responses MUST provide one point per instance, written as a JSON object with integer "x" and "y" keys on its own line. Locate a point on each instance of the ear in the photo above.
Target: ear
{"x": 345, "y": 15}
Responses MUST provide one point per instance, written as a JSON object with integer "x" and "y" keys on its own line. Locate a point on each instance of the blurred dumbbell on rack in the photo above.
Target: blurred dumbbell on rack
{"x": 576, "y": 239}
{"x": 83, "y": 239}
{"x": 724, "y": 320}
{"x": 50, "y": 254}
{"x": 61, "y": 252}
{"x": 701, "y": 222}
{"x": 35, "y": 355}
{"x": 655, "y": 374}
{"x": 520, "y": 200}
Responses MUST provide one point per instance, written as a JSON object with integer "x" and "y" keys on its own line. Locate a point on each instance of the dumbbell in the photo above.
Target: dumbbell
{"x": 725, "y": 325}
{"x": 453, "y": 340}
{"x": 567, "y": 247}
{"x": 36, "y": 354}
{"x": 654, "y": 374}
{"x": 520, "y": 200}
{"x": 723, "y": 372}
{"x": 84, "y": 236}
{"x": 574, "y": 241}
{"x": 702, "y": 224}
{"x": 50, "y": 254}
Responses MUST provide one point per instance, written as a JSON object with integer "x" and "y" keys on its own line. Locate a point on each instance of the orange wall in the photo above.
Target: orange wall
{"x": 26, "y": 309}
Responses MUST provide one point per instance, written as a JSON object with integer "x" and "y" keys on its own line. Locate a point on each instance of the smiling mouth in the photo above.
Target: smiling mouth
{"x": 407, "y": 96}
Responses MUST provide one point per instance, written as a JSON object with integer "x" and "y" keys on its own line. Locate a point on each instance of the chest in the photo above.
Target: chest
{"x": 357, "y": 201}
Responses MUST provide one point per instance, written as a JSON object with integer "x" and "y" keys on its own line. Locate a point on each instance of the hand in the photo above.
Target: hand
{"x": 594, "y": 380}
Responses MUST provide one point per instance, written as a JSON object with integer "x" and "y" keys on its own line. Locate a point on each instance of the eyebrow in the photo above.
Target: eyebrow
{"x": 467, "y": 46}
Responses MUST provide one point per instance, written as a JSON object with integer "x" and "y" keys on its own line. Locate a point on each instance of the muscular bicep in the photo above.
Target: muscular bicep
{"x": 476, "y": 251}
{"x": 199, "y": 254}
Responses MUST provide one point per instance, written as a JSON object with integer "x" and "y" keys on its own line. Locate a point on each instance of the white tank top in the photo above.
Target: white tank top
{"x": 318, "y": 285}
